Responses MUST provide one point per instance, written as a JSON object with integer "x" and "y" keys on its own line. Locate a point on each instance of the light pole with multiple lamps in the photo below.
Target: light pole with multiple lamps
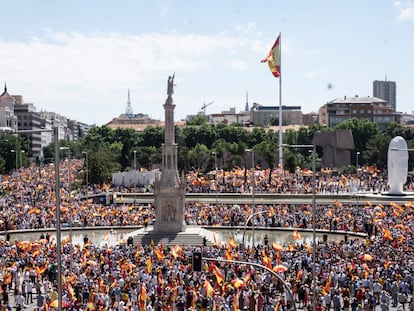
{"x": 16, "y": 160}
{"x": 135, "y": 160}
{"x": 253, "y": 182}
{"x": 357, "y": 168}
{"x": 245, "y": 227}
{"x": 55, "y": 132}
{"x": 215, "y": 174}
{"x": 313, "y": 147}
{"x": 69, "y": 192}
{"x": 86, "y": 175}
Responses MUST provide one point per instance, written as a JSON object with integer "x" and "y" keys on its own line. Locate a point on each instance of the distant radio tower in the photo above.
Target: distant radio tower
{"x": 247, "y": 102}
{"x": 128, "y": 109}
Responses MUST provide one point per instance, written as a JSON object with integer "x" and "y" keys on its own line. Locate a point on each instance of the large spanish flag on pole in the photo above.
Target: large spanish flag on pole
{"x": 273, "y": 58}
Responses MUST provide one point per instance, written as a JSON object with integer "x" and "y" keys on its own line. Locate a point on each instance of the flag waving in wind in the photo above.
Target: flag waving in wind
{"x": 273, "y": 58}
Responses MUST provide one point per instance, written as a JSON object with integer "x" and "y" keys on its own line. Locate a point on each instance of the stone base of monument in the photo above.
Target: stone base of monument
{"x": 193, "y": 235}
{"x": 404, "y": 194}
{"x": 388, "y": 197}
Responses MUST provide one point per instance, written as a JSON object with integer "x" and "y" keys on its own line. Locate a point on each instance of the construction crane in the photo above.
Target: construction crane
{"x": 203, "y": 108}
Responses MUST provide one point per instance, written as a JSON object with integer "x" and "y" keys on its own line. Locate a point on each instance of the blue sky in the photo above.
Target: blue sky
{"x": 79, "y": 58}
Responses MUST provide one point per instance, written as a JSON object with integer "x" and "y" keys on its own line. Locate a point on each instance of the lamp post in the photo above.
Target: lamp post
{"x": 55, "y": 131}
{"x": 313, "y": 217}
{"x": 135, "y": 160}
{"x": 285, "y": 284}
{"x": 86, "y": 175}
{"x": 245, "y": 227}
{"x": 357, "y": 167}
{"x": 21, "y": 160}
{"x": 16, "y": 158}
{"x": 69, "y": 191}
{"x": 357, "y": 177}
{"x": 253, "y": 181}
{"x": 215, "y": 174}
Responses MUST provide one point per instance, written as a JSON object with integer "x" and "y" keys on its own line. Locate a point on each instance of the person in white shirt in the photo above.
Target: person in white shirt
{"x": 29, "y": 291}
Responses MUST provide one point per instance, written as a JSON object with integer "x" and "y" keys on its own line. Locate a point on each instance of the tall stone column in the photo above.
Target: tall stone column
{"x": 169, "y": 189}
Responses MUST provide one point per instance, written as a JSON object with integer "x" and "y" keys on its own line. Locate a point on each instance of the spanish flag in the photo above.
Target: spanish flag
{"x": 142, "y": 298}
{"x": 327, "y": 287}
{"x": 219, "y": 275}
{"x": 159, "y": 254}
{"x": 296, "y": 234}
{"x": 148, "y": 265}
{"x": 273, "y": 58}
{"x": 232, "y": 243}
{"x": 209, "y": 289}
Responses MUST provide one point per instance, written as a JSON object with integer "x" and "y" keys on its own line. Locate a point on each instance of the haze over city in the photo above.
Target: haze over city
{"x": 80, "y": 58}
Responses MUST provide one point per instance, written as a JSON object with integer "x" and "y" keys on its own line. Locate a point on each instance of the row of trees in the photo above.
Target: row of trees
{"x": 204, "y": 146}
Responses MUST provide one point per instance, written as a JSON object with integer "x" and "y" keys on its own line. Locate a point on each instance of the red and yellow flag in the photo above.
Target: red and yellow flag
{"x": 159, "y": 254}
{"x": 219, "y": 275}
{"x": 327, "y": 287}
{"x": 228, "y": 255}
{"x": 142, "y": 298}
{"x": 386, "y": 263}
{"x": 209, "y": 289}
{"x": 296, "y": 234}
{"x": 232, "y": 243}
{"x": 148, "y": 265}
{"x": 273, "y": 58}
{"x": 299, "y": 275}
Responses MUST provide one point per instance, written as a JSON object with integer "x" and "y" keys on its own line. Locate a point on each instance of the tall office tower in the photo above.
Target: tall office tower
{"x": 386, "y": 90}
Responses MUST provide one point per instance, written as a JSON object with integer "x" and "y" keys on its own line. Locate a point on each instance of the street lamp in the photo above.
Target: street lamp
{"x": 215, "y": 174}
{"x": 21, "y": 160}
{"x": 16, "y": 159}
{"x": 313, "y": 217}
{"x": 86, "y": 175}
{"x": 70, "y": 195}
{"x": 357, "y": 175}
{"x": 135, "y": 160}
{"x": 245, "y": 227}
{"x": 55, "y": 131}
{"x": 286, "y": 285}
{"x": 253, "y": 185}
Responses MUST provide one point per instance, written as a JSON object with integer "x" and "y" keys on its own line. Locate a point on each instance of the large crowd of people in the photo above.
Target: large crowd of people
{"x": 354, "y": 274}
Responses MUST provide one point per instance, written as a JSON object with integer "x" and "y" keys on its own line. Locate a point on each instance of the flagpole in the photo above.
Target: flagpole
{"x": 280, "y": 106}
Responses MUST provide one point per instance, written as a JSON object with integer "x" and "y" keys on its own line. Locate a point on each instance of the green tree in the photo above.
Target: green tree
{"x": 197, "y": 120}
{"x": 267, "y": 151}
{"x": 257, "y": 135}
{"x": 199, "y": 156}
{"x": 152, "y": 136}
{"x": 102, "y": 166}
{"x": 376, "y": 150}
{"x": 147, "y": 156}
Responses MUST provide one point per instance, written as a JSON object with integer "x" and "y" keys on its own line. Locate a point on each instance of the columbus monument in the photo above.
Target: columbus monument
{"x": 169, "y": 189}
{"x": 170, "y": 226}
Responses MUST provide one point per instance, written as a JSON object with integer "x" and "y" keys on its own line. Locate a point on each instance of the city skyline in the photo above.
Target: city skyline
{"x": 79, "y": 59}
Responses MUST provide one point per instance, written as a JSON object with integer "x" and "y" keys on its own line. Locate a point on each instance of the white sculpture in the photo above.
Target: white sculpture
{"x": 397, "y": 165}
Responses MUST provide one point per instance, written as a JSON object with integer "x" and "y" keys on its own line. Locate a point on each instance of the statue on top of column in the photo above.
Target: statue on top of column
{"x": 170, "y": 87}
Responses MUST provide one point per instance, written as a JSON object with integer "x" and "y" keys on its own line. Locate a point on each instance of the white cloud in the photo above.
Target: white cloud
{"x": 406, "y": 11}
{"x": 72, "y": 72}
{"x": 238, "y": 64}
{"x": 164, "y": 8}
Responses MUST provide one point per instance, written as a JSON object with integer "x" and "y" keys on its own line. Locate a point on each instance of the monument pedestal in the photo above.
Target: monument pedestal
{"x": 169, "y": 203}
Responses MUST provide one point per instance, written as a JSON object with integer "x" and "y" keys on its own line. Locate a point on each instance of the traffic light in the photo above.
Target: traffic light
{"x": 197, "y": 261}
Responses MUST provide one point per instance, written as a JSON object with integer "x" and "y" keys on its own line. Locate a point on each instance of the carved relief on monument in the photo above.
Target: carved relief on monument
{"x": 169, "y": 212}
